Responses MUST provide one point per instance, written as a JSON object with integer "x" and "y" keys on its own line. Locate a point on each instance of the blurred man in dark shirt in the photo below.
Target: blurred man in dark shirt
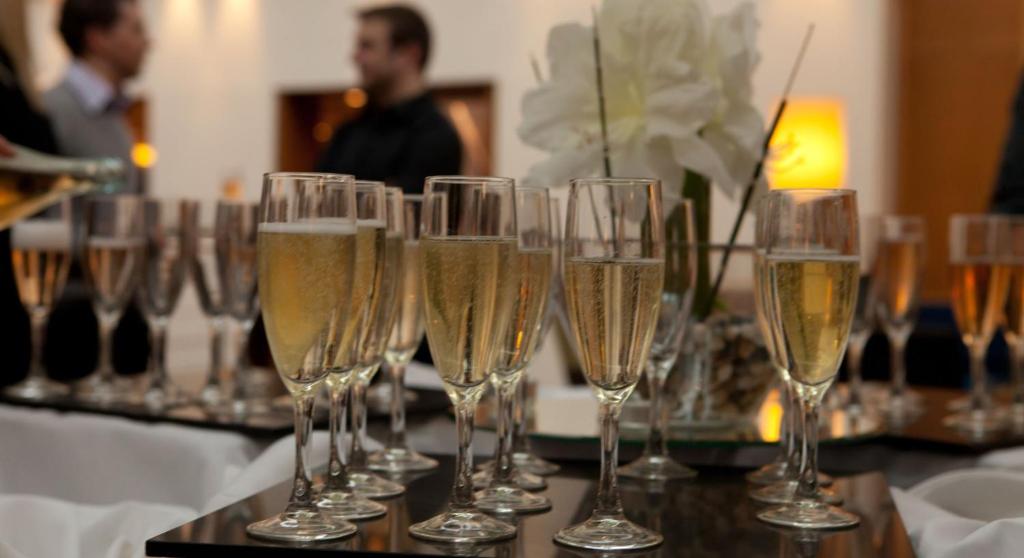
{"x": 401, "y": 137}
{"x": 1009, "y": 193}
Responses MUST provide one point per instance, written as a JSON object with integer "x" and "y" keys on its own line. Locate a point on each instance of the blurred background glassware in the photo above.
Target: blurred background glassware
{"x": 209, "y": 283}
{"x": 236, "y": 238}
{"x": 406, "y": 336}
{"x": 30, "y": 181}
{"x": 680, "y": 277}
{"x": 1013, "y": 325}
{"x": 306, "y": 254}
{"x": 865, "y": 319}
{"x": 384, "y": 231}
{"x": 114, "y": 253}
{"x": 40, "y": 258}
{"x": 533, "y": 271}
{"x": 979, "y": 256}
{"x": 170, "y": 229}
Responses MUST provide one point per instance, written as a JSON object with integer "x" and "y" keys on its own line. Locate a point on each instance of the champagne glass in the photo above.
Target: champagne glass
{"x": 897, "y": 277}
{"x": 406, "y": 335}
{"x": 40, "y": 257}
{"x": 533, "y": 272}
{"x": 467, "y": 258}
{"x": 811, "y": 260}
{"x": 209, "y": 287}
{"x": 864, "y": 318}
{"x": 979, "y": 256}
{"x": 306, "y": 252}
{"x": 613, "y": 261}
{"x": 170, "y": 233}
{"x": 372, "y": 337}
{"x": 236, "y": 238}
{"x": 114, "y": 255}
{"x": 676, "y": 299}
{"x": 1013, "y": 324}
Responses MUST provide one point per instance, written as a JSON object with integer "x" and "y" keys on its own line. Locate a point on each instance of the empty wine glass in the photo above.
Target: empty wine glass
{"x": 114, "y": 254}
{"x": 1013, "y": 325}
{"x": 236, "y": 235}
{"x": 170, "y": 233}
{"x": 864, "y": 319}
{"x": 40, "y": 257}
{"x": 209, "y": 288}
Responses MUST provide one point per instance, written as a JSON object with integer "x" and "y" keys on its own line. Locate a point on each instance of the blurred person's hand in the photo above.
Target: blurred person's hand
{"x": 6, "y": 149}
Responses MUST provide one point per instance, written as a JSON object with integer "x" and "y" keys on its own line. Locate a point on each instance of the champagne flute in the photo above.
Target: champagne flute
{"x": 406, "y": 336}
{"x": 170, "y": 233}
{"x": 676, "y": 299}
{"x": 467, "y": 256}
{"x": 897, "y": 277}
{"x": 864, "y": 318}
{"x": 811, "y": 260}
{"x": 236, "y": 236}
{"x": 979, "y": 260}
{"x": 114, "y": 256}
{"x": 40, "y": 257}
{"x": 306, "y": 252}
{"x": 1014, "y": 320}
{"x": 209, "y": 287}
{"x": 532, "y": 269}
{"x": 614, "y": 261}
{"x": 372, "y": 337}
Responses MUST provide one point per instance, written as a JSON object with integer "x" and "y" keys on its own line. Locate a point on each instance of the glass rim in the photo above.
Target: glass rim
{"x": 367, "y": 184}
{"x": 614, "y": 180}
{"x": 977, "y": 217}
{"x": 305, "y": 175}
{"x": 823, "y": 192}
{"x": 537, "y": 189}
{"x": 412, "y": 197}
{"x": 496, "y": 181}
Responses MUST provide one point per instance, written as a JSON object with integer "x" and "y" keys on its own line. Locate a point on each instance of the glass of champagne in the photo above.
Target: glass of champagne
{"x": 206, "y": 277}
{"x": 864, "y": 318}
{"x": 614, "y": 262}
{"x": 40, "y": 257}
{"x": 897, "y": 276}
{"x": 1014, "y": 323}
{"x": 467, "y": 261}
{"x": 306, "y": 253}
{"x": 812, "y": 262}
{"x": 114, "y": 255}
{"x": 170, "y": 231}
{"x": 236, "y": 236}
{"x": 533, "y": 270}
{"x": 406, "y": 336}
{"x": 676, "y": 299}
{"x": 979, "y": 256}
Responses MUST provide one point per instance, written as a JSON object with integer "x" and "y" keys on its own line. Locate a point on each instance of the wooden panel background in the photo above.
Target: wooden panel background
{"x": 958, "y": 69}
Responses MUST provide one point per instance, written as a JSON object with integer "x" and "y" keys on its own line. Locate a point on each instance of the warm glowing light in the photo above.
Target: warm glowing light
{"x": 769, "y": 418}
{"x": 322, "y": 132}
{"x": 144, "y": 155}
{"x": 232, "y": 189}
{"x": 355, "y": 98}
{"x": 809, "y": 146}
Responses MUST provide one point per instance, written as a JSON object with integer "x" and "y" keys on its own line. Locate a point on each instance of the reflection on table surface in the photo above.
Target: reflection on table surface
{"x": 710, "y": 516}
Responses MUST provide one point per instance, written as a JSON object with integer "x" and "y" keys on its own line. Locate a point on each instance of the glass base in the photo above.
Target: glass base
{"x": 809, "y": 516}
{"x": 371, "y": 486}
{"x": 462, "y": 527}
{"x": 37, "y": 388}
{"x": 400, "y": 460}
{"x": 775, "y": 472}
{"x": 977, "y": 423}
{"x": 656, "y": 468}
{"x": 211, "y": 397}
{"x": 338, "y": 504}
{"x": 783, "y": 492}
{"x": 510, "y": 499}
{"x": 169, "y": 396}
{"x": 96, "y": 390}
{"x": 524, "y": 480}
{"x": 963, "y": 403}
{"x": 531, "y": 463}
{"x": 301, "y": 526}
{"x": 608, "y": 533}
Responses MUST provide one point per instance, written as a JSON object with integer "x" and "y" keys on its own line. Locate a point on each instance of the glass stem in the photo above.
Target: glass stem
{"x": 854, "y": 352}
{"x": 898, "y": 343}
{"x": 241, "y": 360}
{"x": 504, "y": 467}
{"x": 357, "y": 455}
{"x": 216, "y": 351}
{"x": 792, "y": 418}
{"x": 979, "y": 388}
{"x": 106, "y": 326}
{"x": 157, "y": 352}
{"x": 462, "y": 491}
{"x": 520, "y": 441}
{"x": 396, "y": 438}
{"x": 656, "y": 443}
{"x": 337, "y": 473}
{"x": 807, "y": 488}
{"x": 302, "y": 498}
{"x": 608, "y": 503}
{"x": 38, "y": 320}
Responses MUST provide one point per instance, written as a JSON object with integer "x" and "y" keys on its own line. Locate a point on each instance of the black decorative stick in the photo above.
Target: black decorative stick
{"x": 758, "y": 169}
{"x": 605, "y": 151}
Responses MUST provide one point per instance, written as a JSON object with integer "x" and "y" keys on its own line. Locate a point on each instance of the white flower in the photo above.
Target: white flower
{"x": 677, "y": 95}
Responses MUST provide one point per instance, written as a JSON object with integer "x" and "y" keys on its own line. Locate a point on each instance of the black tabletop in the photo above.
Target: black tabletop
{"x": 708, "y": 516}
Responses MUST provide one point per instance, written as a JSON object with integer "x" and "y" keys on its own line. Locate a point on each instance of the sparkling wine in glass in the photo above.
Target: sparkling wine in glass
{"x": 676, "y": 300}
{"x": 170, "y": 231}
{"x": 533, "y": 270}
{"x": 614, "y": 264}
{"x": 306, "y": 257}
{"x": 236, "y": 236}
{"x": 467, "y": 260}
{"x": 812, "y": 262}
{"x": 114, "y": 254}
{"x": 40, "y": 258}
{"x": 980, "y": 261}
{"x": 406, "y": 336}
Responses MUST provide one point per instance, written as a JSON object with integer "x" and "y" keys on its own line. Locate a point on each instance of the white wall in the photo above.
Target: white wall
{"x": 217, "y": 66}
